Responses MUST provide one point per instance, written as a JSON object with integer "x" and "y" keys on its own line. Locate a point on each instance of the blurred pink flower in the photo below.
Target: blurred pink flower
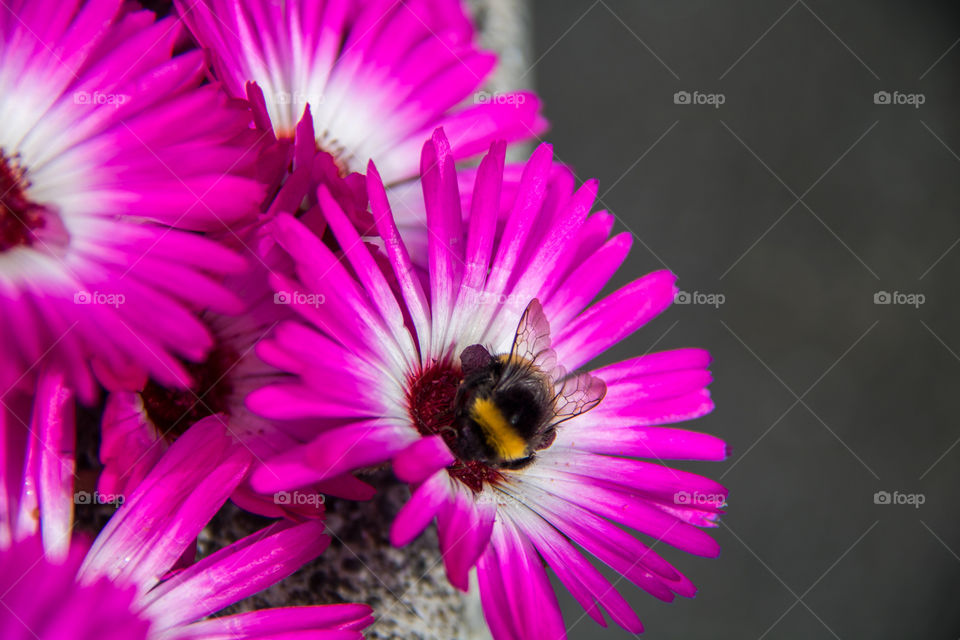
{"x": 141, "y": 421}
{"x": 112, "y": 153}
{"x": 378, "y": 76}
{"x": 127, "y": 584}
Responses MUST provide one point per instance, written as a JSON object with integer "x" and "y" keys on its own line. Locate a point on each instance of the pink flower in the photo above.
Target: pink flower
{"x": 123, "y": 586}
{"x": 378, "y": 76}
{"x": 111, "y": 154}
{"x": 395, "y": 368}
{"x": 141, "y": 420}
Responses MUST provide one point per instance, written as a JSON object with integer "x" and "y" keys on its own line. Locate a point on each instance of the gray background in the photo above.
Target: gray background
{"x": 825, "y": 396}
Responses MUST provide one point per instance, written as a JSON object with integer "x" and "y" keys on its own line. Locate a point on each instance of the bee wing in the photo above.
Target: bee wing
{"x": 532, "y": 341}
{"x": 578, "y": 393}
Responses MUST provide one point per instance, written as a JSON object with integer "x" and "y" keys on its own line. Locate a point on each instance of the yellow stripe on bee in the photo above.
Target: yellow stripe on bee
{"x": 501, "y": 437}
{"x": 512, "y": 358}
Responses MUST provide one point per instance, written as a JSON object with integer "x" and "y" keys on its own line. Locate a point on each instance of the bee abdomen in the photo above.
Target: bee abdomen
{"x": 502, "y": 437}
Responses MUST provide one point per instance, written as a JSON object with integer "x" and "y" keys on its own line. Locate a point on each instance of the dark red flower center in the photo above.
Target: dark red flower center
{"x": 431, "y": 402}
{"x": 19, "y": 217}
{"x": 173, "y": 411}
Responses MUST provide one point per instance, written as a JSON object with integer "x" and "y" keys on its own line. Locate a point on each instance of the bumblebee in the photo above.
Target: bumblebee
{"x": 509, "y": 406}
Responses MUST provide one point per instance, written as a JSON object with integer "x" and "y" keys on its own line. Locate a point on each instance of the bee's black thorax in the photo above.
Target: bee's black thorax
{"x": 500, "y": 411}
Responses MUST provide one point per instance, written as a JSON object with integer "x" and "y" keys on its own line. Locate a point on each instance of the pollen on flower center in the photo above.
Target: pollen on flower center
{"x": 19, "y": 217}
{"x": 431, "y": 402}
{"x": 172, "y": 411}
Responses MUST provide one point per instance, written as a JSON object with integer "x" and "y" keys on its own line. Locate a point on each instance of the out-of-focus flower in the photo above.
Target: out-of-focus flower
{"x": 124, "y": 586}
{"x": 378, "y": 76}
{"x": 142, "y": 420}
{"x": 111, "y": 153}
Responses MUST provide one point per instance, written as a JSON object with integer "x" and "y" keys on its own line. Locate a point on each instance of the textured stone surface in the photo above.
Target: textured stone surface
{"x": 406, "y": 587}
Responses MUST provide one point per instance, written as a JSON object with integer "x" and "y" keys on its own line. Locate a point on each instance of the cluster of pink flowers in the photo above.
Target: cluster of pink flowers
{"x": 279, "y": 242}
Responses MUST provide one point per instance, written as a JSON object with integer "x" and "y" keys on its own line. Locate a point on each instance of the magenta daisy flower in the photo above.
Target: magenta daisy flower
{"x": 469, "y": 383}
{"x": 138, "y": 426}
{"x": 123, "y": 586}
{"x": 110, "y": 154}
{"x": 378, "y": 76}
{"x": 140, "y": 422}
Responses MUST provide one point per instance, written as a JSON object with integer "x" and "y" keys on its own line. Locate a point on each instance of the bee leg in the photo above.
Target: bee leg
{"x": 517, "y": 464}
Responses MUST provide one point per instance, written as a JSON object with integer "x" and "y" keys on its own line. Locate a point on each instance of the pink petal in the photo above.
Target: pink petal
{"x": 464, "y": 526}
{"x": 130, "y": 445}
{"x": 484, "y": 213}
{"x": 423, "y": 505}
{"x": 661, "y": 443}
{"x": 442, "y": 199}
{"x": 587, "y": 280}
{"x": 409, "y": 282}
{"x": 370, "y": 276}
{"x": 234, "y": 573}
{"x": 150, "y": 532}
{"x": 349, "y": 619}
{"x": 358, "y": 445}
{"x": 53, "y": 422}
{"x": 422, "y": 459}
{"x": 614, "y": 318}
{"x": 533, "y": 187}
{"x": 517, "y": 572}
{"x": 656, "y": 481}
{"x": 586, "y": 584}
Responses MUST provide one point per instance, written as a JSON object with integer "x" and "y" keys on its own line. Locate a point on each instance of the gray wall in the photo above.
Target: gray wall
{"x": 825, "y": 396}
